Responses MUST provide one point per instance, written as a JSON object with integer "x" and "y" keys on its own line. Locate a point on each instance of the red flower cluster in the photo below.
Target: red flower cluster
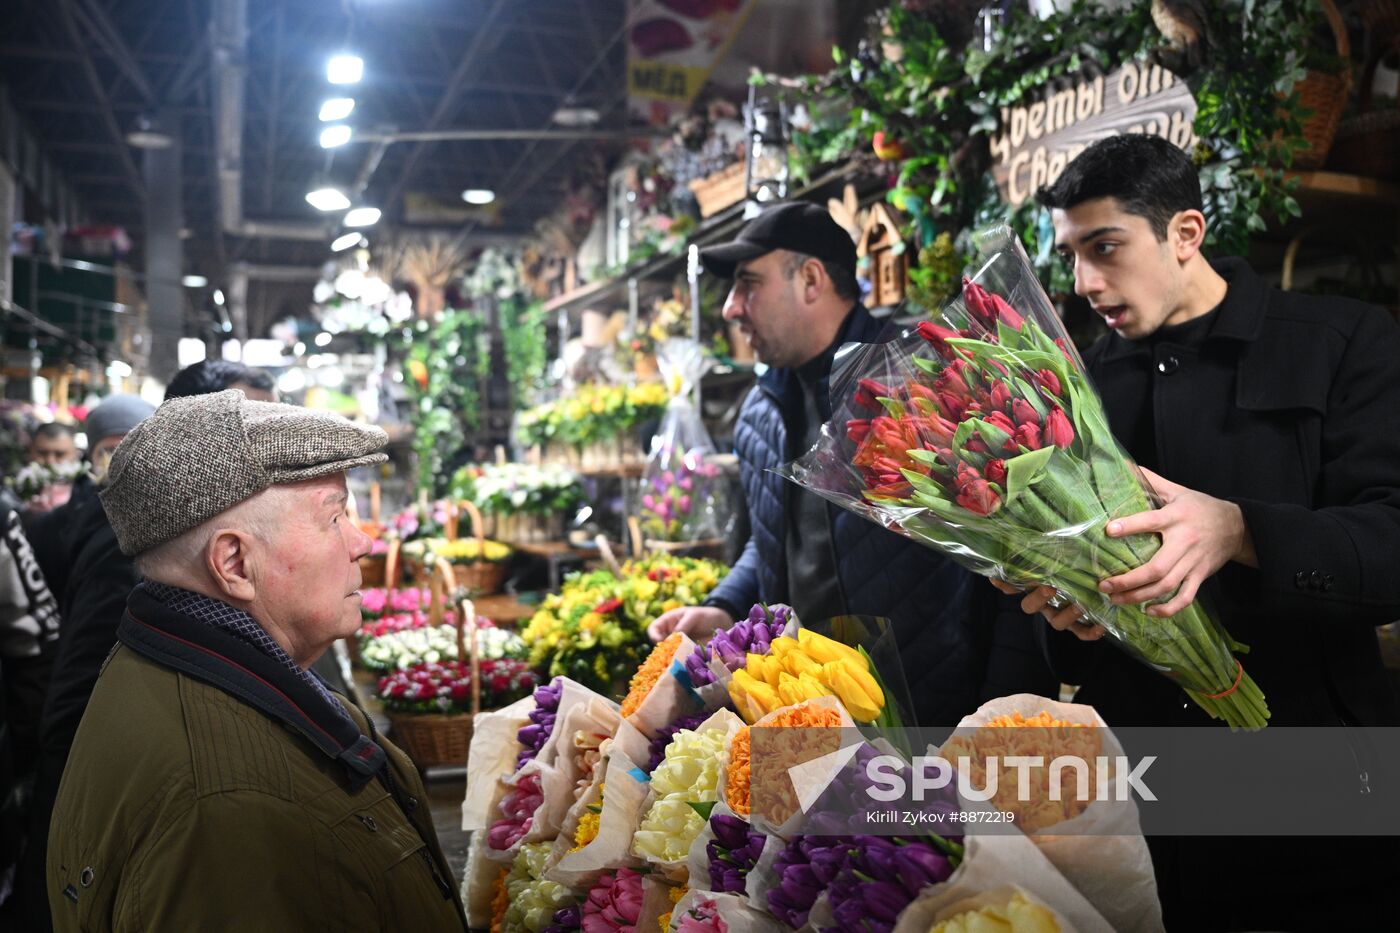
{"x": 609, "y": 606}
{"x": 445, "y": 686}
{"x": 1021, "y": 410}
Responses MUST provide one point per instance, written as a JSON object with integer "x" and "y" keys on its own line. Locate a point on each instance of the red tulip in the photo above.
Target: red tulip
{"x": 895, "y": 489}
{"x": 998, "y": 419}
{"x": 941, "y": 430}
{"x": 953, "y": 407}
{"x": 1028, "y": 435}
{"x": 978, "y": 497}
{"x": 938, "y": 336}
{"x": 1058, "y": 430}
{"x": 1001, "y": 396}
{"x": 1023, "y": 411}
{"x": 1064, "y": 348}
{"x": 996, "y": 472}
{"x": 951, "y": 380}
{"x": 1008, "y": 315}
{"x": 857, "y": 429}
{"x": 1048, "y": 381}
{"x": 868, "y": 392}
{"x": 919, "y": 390}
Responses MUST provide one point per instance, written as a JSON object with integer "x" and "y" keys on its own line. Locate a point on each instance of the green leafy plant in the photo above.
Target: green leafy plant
{"x": 525, "y": 334}
{"x": 446, "y": 367}
{"x": 940, "y": 102}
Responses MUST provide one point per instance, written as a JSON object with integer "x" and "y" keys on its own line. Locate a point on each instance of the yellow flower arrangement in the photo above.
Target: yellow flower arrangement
{"x": 803, "y": 668}
{"x": 594, "y": 629}
{"x": 589, "y": 822}
{"x": 674, "y": 895}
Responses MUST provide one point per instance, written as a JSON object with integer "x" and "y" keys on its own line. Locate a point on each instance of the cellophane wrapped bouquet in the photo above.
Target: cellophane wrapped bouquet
{"x": 682, "y": 495}
{"x": 982, "y": 437}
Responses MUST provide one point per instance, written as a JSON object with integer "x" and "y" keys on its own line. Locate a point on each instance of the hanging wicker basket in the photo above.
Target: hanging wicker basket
{"x": 1369, "y": 142}
{"x": 482, "y": 577}
{"x": 1326, "y": 96}
{"x": 443, "y": 739}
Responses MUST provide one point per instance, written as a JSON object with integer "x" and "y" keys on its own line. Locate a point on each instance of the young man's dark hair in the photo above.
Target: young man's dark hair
{"x": 1146, "y": 175}
{"x": 211, "y": 376}
{"x": 53, "y": 430}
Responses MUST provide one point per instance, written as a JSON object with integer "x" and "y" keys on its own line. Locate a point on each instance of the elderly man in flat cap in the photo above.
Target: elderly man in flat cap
{"x": 215, "y": 782}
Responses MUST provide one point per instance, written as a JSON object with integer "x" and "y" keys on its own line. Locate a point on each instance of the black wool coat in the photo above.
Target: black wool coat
{"x": 1291, "y": 409}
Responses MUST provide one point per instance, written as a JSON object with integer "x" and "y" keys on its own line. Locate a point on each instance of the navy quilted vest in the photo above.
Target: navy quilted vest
{"x": 942, "y": 614}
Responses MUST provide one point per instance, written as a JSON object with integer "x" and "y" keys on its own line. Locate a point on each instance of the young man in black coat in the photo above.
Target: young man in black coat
{"x": 1269, "y": 425}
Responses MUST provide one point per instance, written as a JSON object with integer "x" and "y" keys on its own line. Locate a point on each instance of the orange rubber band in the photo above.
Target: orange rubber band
{"x": 1239, "y": 674}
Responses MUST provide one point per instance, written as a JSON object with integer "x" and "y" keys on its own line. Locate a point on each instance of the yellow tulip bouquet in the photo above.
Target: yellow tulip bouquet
{"x": 856, "y": 662}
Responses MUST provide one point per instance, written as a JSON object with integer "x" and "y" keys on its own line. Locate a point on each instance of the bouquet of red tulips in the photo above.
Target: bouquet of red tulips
{"x": 982, "y": 437}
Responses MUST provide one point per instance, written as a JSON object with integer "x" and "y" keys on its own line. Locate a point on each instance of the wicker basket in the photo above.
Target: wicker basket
{"x": 372, "y": 570}
{"x": 438, "y": 739}
{"x": 482, "y": 578}
{"x": 1369, "y": 144}
{"x": 433, "y": 740}
{"x": 1326, "y": 96}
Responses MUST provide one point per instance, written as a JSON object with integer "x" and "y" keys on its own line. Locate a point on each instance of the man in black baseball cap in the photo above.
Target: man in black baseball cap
{"x": 796, "y": 298}
{"x": 798, "y": 227}
{"x": 794, "y": 272}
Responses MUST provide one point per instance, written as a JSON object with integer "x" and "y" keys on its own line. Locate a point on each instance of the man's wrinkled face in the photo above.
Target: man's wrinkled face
{"x": 308, "y": 580}
{"x": 763, "y": 302}
{"x": 51, "y": 451}
{"x": 1131, "y": 278}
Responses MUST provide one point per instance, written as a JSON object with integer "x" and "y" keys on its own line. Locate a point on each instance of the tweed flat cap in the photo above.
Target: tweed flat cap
{"x": 203, "y": 454}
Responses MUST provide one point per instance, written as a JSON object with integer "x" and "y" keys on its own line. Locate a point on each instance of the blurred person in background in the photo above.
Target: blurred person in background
{"x": 216, "y": 375}
{"x": 53, "y": 443}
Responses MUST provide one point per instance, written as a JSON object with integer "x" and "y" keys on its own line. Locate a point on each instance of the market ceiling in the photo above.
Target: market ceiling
{"x": 83, "y": 72}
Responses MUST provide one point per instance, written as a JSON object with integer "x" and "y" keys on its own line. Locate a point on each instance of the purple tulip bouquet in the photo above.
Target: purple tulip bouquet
{"x": 728, "y": 649}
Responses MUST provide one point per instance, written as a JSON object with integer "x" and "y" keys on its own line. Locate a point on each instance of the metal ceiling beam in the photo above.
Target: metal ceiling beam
{"x": 446, "y": 104}
{"x": 101, "y": 28}
{"x": 270, "y": 150}
{"x": 99, "y": 92}
{"x": 442, "y": 136}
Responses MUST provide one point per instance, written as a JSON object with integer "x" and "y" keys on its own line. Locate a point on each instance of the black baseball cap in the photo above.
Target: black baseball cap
{"x": 797, "y": 226}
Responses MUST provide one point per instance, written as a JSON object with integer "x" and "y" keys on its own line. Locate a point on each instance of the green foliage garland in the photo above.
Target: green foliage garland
{"x": 446, "y": 367}
{"x": 942, "y": 104}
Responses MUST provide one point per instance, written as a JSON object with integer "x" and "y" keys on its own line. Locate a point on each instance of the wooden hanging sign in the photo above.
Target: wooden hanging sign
{"x": 1040, "y": 136}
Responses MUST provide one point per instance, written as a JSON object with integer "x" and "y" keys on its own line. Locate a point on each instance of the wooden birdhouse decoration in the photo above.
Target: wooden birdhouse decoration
{"x": 883, "y": 251}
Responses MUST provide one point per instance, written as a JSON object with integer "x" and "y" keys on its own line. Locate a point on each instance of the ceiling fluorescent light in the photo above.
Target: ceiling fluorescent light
{"x": 337, "y": 108}
{"x": 333, "y": 136}
{"x": 345, "y": 241}
{"x": 345, "y": 69}
{"x": 327, "y": 199}
{"x": 362, "y": 217}
{"x": 576, "y": 116}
